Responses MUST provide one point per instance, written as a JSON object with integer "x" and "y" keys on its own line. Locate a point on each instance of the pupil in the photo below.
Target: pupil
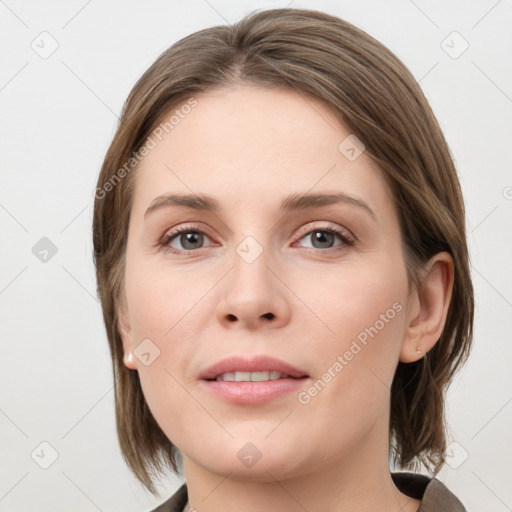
{"x": 190, "y": 238}
{"x": 320, "y": 236}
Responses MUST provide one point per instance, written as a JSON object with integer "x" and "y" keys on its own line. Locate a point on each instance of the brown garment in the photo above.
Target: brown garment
{"x": 434, "y": 495}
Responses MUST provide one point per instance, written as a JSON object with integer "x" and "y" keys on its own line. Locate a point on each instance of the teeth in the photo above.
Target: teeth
{"x": 252, "y": 376}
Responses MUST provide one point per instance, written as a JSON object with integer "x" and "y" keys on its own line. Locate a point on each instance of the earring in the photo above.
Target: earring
{"x": 418, "y": 350}
{"x": 128, "y": 359}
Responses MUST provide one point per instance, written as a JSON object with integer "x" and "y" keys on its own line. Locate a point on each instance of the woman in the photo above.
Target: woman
{"x": 279, "y": 238}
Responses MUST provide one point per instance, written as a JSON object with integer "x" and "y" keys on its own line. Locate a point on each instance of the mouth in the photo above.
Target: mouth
{"x": 255, "y": 368}
{"x": 252, "y": 381}
{"x": 261, "y": 376}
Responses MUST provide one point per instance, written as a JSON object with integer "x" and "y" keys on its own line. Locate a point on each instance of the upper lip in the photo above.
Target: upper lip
{"x": 259, "y": 363}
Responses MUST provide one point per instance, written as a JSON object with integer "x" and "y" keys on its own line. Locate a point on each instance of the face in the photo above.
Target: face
{"x": 319, "y": 286}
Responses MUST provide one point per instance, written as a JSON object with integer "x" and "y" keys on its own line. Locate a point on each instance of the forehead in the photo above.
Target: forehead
{"x": 248, "y": 142}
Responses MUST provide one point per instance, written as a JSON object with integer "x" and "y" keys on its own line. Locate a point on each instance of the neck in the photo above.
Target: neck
{"x": 335, "y": 486}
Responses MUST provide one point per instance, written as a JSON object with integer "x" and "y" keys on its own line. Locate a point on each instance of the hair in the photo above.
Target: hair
{"x": 376, "y": 97}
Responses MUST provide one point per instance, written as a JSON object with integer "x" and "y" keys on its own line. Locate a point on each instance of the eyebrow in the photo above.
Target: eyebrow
{"x": 293, "y": 202}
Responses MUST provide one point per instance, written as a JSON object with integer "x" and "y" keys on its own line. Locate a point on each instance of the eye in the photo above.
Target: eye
{"x": 188, "y": 237}
{"x": 323, "y": 237}
{"x": 191, "y": 237}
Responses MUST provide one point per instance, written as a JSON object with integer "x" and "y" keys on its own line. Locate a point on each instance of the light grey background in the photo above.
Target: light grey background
{"x": 58, "y": 115}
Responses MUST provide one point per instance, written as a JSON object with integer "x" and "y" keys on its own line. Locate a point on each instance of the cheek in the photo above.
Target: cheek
{"x": 356, "y": 299}
{"x": 360, "y": 312}
{"x": 164, "y": 317}
{"x": 160, "y": 298}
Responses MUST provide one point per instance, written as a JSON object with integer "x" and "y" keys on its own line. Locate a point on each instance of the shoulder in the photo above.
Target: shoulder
{"x": 434, "y": 495}
{"x": 176, "y": 503}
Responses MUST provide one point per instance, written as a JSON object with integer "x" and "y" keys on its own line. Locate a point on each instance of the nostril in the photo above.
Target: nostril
{"x": 269, "y": 315}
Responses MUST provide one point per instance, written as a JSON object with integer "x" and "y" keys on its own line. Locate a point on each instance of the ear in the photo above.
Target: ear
{"x": 428, "y": 307}
{"x": 126, "y": 333}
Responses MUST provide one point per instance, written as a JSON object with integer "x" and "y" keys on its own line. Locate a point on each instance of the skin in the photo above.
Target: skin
{"x": 249, "y": 147}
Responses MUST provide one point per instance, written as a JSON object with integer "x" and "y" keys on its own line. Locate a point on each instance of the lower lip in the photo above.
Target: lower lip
{"x": 258, "y": 392}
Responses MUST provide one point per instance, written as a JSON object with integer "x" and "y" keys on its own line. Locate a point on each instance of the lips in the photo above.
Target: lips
{"x": 260, "y": 363}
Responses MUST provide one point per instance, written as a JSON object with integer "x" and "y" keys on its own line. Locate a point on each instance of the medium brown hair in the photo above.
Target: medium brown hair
{"x": 377, "y": 99}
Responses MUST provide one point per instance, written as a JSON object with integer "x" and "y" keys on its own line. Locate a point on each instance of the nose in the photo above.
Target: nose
{"x": 253, "y": 294}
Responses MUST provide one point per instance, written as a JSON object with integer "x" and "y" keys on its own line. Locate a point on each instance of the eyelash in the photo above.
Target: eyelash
{"x": 330, "y": 228}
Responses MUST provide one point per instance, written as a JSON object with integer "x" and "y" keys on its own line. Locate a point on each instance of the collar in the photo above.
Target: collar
{"x": 434, "y": 495}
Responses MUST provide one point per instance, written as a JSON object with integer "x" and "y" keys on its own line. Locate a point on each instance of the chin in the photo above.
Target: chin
{"x": 257, "y": 461}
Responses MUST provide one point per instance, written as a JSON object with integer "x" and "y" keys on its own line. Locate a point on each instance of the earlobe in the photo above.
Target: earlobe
{"x": 129, "y": 361}
{"x": 430, "y": 308}
{"x": 125, "y": 331}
